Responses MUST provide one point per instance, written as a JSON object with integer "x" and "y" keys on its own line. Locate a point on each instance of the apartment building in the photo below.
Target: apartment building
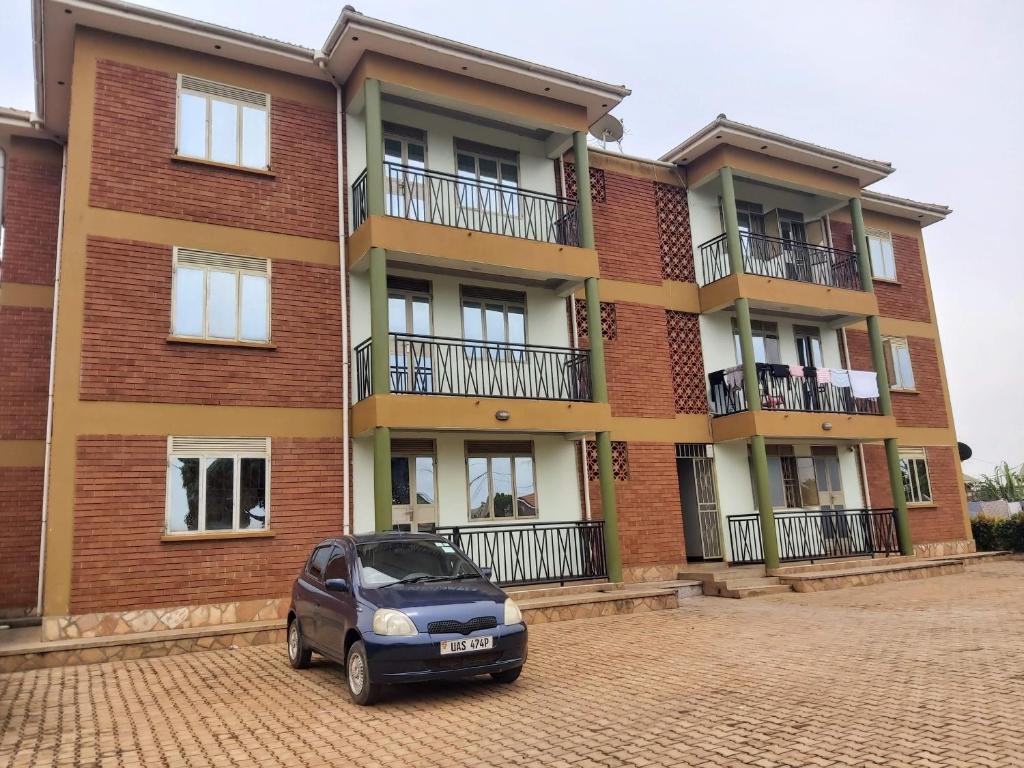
{"x": 387, "y": 283}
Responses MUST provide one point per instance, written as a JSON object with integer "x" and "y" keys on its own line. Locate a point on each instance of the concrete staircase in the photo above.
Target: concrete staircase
{"x": 720, "y": 580}
{"x": 582, "y": 601}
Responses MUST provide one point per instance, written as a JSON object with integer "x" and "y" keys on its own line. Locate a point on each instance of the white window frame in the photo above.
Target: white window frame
{"x": 208, "y": 262}
{"x": 891, "y": 344}
{"x": 915, "y": 456}
{"x": 489, "y": 457}
{"x": 212, "y": 91}
{"x": 885, "y": 238}
{"x": 217, "y": 448}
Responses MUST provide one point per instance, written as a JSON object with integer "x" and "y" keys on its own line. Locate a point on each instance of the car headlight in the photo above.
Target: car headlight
{"x": 388, "y": 621}
{"x": 512, "y": 613}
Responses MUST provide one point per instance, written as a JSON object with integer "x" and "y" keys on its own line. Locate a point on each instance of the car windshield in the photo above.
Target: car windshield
{"x": 382, "y": 563}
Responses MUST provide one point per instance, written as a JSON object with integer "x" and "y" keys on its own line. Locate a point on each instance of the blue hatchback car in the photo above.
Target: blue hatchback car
{"x": 402, "y": 607}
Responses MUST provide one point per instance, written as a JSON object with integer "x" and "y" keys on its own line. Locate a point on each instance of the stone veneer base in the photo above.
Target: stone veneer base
{"x": 867, "y": 576}
{"x": 636, "y": 574}
{"x": 945, "y": 548}
{"x": 591, "y": 610}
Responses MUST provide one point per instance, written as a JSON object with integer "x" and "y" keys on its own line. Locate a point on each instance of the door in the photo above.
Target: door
{"x": 413, "y": 493}
{"x": 836, "y": 530}
{"x": 491, "y": 200}
{"x": 337, "y": 609}
{"x": 310, "y": 596}
{"x": 750, "y": 217}
{"x": 405, "y": 182}
{"x": 701, "y": 523}
{"x": 809, "y": 355}
{"x": 411, "y": 351}
{"x": 796, "y": 257}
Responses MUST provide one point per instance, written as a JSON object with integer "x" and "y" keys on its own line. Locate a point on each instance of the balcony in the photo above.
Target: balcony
{"x": 782, "y": 259}
{"x": 793, "y": 407}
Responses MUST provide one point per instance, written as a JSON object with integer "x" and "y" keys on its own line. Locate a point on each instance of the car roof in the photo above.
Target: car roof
{"x": 368, "y": 538}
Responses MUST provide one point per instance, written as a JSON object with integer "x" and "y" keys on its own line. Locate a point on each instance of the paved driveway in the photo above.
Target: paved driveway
{"x": 922, "y": 673}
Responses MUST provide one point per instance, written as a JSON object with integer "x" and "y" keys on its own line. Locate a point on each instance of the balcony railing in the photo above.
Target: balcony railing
{"x": 783, "y": 259}
{"x": 437, "y": 365}
{"x": 454, "y": 201}
{"x": 786, "y": 393}
{"x": 817, "y": 535}
{"x": 534, "y": 553}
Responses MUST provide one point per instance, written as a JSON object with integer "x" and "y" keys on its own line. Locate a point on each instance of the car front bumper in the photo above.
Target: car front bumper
{"x": 408, "y": 659}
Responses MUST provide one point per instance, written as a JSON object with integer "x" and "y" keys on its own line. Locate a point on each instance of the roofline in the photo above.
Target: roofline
{"x": 350, "y": 15}
{"x": 914, "y": 209}
{"x": 636, "y": 158}
{"x": 719, "y": 123}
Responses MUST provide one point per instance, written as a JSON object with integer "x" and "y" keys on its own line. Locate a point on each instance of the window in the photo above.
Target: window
{"x": 897, "y": 363}
{"x": 766, "y": 341}
{"x": 494, "y": 316}
{"x": 318, "y": 561}
{"x": 808, "y": 346}
{"x": 222, "y": 297}
{"x": 218, "y": 484}
{"x": 501, "y": 480}
{"x": 494, "y": 169}
{"x": 883, "y": 262}
{"x": 794, "y": 479}
{"x": 917, "y": 485}
{"x": 223, "y": 123}
{"x": 337, "y": 567}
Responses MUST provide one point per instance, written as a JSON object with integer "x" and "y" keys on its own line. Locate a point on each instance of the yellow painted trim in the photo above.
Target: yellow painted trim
{"x": 926, "y": 436}
{"x": 894, "y": 326}
{"x": 461, "y": 89}
{"x": 420, "y": 242}
{"x": 634, "y": 167}
{"x": 184, "y": 538}
{"x": 670, "y": 294}
{"x": 797, "y": 425}
{"x": 114, "y": 418}
{"x": 121, "y": 225}
{"x": 772, "y": 170}
{"x": 786, "y": 295}
{"x": 26, "y": 295}
{"x": 472, "y": 414}
{"x": 684, "y": 428}
{"x": 22, "y": 453}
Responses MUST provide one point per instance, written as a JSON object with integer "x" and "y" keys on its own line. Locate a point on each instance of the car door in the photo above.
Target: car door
{"x": 337, "y": 609}
{"x": 310, "y": 595}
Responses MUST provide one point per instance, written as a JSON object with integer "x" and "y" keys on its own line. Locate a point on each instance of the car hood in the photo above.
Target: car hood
{"x": 441, "y": 601}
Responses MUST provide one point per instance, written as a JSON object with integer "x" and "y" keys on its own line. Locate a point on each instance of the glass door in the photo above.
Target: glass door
{"x": 796, "y": 255}
{"x": 404, "y": 180}
{"x": 413, "y": 493}
{"x": 492, "y": 201}
{"x": 829, "y": 479}
{"x": 412, "y": 350}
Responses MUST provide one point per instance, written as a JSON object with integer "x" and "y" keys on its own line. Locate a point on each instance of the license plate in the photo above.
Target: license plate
{"x": 466, "y": 645}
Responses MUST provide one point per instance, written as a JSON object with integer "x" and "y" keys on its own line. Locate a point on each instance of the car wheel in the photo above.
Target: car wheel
{"x": 507, "y": 676}
{"x": 357, "y": 670}
{"x": 298, "y": 652}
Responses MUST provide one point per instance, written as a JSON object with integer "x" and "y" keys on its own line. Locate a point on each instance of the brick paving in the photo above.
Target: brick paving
{"x": 924, "y": 673}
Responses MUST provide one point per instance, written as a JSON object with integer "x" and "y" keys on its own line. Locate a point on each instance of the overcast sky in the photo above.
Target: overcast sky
{"x": 933, "y": 87}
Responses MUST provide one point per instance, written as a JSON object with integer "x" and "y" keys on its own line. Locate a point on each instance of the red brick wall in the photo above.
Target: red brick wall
{"x": 24, "y": 372}
{"x": 638, "y": 364}
{"x": 944, "y": 520}
{"x": 907, "y": 298}
{"x": 31, "y": 203}
{"x": 126, "y": 355}
{"x": 927, "y": 406}
{"x": 626, "y": 230}
{"x": 648, "y": 505}
{"x": 120, "y": 562}
{"x": 21, "y": 502}
{"x": 132, "y": 170}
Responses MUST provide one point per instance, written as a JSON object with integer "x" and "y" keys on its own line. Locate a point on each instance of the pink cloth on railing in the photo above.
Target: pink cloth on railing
{"x": 824, "y": 375}
{"x": 796, "y": 371}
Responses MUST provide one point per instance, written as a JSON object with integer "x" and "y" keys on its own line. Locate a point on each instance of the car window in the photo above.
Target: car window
{"x": 337, "y": 567}
{"x": 385, "y": 562}
{"x": 318, "y": 561}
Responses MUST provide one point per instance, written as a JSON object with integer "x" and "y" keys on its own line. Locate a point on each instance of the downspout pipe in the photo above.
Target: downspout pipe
{"x": 50, "y": 385}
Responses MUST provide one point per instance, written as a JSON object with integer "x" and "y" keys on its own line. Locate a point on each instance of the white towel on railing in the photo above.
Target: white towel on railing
{"x": 864, "y": 384}
{"x": 734, "y": 377}
{"x": 840, "y": 377}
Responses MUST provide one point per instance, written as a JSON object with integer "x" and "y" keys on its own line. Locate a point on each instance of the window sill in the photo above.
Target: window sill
{"x": 903, "y": 391}
{"x": 922, "y": 505}
{"x": 225, "y": 166}
{"x": 886, "y": 280}
{"x": 215, "y": 536}
{"x": 221, "y": 343}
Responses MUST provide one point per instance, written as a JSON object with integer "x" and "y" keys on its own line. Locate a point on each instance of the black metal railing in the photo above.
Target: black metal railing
{"x": 817, "y": 535}
{"x": 534, "y": 553}
{"x": 469, "y": 203}
{"x": 786, "y": 393}
{"x": 438, "y": 365}
{"x": 784, "y": 259}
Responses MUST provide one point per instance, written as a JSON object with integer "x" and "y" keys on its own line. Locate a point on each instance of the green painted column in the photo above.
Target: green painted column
{"x": 598, "y": 378}
{"x": 374, "y": 148}
{"x": 763, "y": 492}
{"x": 382, "y": 479}
{"x": 380, "y": 382}
{"x": 892, "y": 448}
{"x": 732, "y": 223}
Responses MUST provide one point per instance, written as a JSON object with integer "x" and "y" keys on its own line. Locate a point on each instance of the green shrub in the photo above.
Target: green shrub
{"x": 996, "y": 534}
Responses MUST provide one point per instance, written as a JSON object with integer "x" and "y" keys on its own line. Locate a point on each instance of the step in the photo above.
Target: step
{"x": 973, "y": 558}
{"x": 723, "y": 574}
{"x": 530, "y": 592}
{"x": 755, "y": 591}
{"x": 864, "y": 576}
{"x": 759, "y": 581}
{"x": 630, "y": 598}
{"x": 37, "y": 654}
{"x": 840, "y": 564}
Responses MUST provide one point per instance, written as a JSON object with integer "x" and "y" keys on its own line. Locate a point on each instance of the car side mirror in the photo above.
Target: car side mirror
{"x": 487, "y": 573}
{"x": 336, "y": 585}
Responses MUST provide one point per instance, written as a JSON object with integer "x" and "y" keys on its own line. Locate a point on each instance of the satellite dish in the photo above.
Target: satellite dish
{"x": 964, "y": 450}
{"x": 608, "y": 128}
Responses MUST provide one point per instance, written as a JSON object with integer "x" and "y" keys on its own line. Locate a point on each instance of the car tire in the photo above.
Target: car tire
{"x": 507, "y": 676}
{"x": 299, "y": 653}
{"x": 357, "y": 675}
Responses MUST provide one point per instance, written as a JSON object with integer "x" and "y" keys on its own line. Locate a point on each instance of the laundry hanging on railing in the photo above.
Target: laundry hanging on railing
{"x": 864, "y": 384}
{"x": 734, "y": 377}
{"x": 840, "y": 377}
{"x": 824, "y": 375}
{"x": 797, "y": 371}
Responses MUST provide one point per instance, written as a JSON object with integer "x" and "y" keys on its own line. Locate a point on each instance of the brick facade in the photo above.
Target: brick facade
{"x": 126, "y": 355}
{"x": 31, "y": 203}
{"x": 943, "y": 520}
{"x": 637, "y": 363}
{"x": 133, "y": 169}
{"x": 21, "y": 502}
{"x": 120, "y": 562}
